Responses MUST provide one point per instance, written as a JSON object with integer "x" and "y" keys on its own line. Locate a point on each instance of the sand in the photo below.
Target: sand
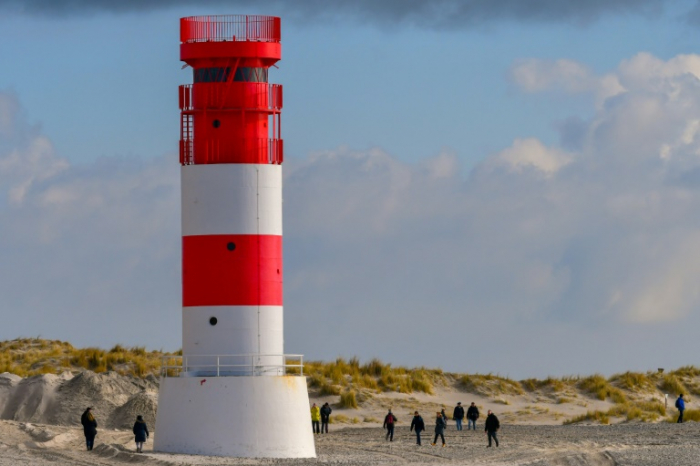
{"x": 630, "y": 444}
{"x": 41, "y": 425}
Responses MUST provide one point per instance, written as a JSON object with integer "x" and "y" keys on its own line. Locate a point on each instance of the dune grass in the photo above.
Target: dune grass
{"x": 334, "y": 377}
{"x": 490, "y": 385}
{"x": 633, "y": 381}
{"x": 34, "y": 356}
{"x": 598, "y": 386}
{"x": 688, "y": 415}
{"x": 644, "y": 411}
{"x": 348, "y": 399}
{"x": 596, "y": 416}
{"x": 550, "y": 384}
{"x": 672, "y": 385}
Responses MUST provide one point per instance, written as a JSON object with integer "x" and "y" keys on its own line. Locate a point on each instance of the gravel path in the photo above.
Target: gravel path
{"x": 621, "y": 445}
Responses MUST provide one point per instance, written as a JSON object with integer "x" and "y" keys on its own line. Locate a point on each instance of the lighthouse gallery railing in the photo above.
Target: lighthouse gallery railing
{"x": 218, "y": 365}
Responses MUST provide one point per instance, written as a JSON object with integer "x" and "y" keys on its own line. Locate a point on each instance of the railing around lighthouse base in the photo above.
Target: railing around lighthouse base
{"x": 231, "y": 365}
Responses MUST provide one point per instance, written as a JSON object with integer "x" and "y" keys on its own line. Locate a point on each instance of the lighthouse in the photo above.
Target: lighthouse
{"x": 233, "y": 392}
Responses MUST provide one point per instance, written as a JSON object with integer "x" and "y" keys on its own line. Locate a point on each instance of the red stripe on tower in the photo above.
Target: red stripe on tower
{"x": 248, "y": 273}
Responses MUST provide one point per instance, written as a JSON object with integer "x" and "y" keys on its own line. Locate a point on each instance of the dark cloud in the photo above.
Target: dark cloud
{"x": 451, "y": 14}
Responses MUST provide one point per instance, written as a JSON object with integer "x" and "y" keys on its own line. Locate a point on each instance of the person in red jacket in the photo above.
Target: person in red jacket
{"x": 389, "y": 421}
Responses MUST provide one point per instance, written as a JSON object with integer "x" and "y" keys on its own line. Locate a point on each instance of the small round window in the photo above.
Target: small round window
{"x": 216, "y": 123}
{"x": 231, "y": 246}
{"x": 213, "y": 321}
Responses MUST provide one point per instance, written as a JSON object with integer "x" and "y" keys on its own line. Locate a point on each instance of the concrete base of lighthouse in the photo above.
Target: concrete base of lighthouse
{"x": 249, "y": 417}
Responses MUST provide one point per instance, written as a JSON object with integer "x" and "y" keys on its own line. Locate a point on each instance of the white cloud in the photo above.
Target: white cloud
{"x": 530, "y": 154}
{"x": 568, "y": 76}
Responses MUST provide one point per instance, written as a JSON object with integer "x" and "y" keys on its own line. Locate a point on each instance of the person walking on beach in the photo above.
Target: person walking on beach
{"x": 458, "y": 415}
{"x": 315, "y": 419}
{"x": 140, "y": 433}
{"x": 680, "y": 405}
{"x": 389, "y": 421}
{"x": 472, "y": 416}
{"x": 89, "y": 427}
{"x": 417, "y": 424}
{"x": 491, "y": 426}
{"x": 440, "y": 425}
{"x": 325, "y": 417}
{"x": 444, "y": 416}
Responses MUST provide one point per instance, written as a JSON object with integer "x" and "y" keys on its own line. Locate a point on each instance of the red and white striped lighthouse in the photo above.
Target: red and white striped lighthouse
{"x": 231, "y": 155}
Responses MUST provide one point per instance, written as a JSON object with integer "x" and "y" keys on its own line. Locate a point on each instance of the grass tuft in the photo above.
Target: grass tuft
{"x": 348, "y": 400}
{"x": 597, "y": 416}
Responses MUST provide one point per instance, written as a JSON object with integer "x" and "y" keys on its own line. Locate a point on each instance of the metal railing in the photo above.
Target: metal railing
{"x": 221, "y": 28}
{"x": 249, "y": 96}
{"x": 227, "y": 365}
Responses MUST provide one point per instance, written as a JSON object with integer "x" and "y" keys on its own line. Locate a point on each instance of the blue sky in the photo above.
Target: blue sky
{"x": 524, "y": 170}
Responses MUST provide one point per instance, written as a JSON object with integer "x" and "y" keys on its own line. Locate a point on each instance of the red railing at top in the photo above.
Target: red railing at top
{"x": 230, "y": 28}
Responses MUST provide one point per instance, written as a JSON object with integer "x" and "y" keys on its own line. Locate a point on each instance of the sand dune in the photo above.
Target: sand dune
{"x": 61, "y": 399}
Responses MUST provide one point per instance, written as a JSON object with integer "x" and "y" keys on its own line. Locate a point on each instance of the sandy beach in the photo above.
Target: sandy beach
{"x": 635, "y": 444}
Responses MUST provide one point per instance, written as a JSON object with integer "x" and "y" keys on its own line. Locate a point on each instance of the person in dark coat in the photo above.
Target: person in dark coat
{"x": 680, "y": 405}
{"x": 325, "y": 417}
{"x": 140, "y": 433}
{"x": 472, "y": 416}
{"x": 89, "y": 427}
{"x": 440, "y": 425}
{"x": 458, "y": 415}
{"x": 491, "y": 426}
{"x": 389, "y": 422}
{"x": 417, "y": 424}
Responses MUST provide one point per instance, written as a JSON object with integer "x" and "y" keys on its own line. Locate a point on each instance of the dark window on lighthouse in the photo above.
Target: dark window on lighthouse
{"x": 211, "y": 75}
{"x": 251, "y": 75}
{"x": 221, "y": 74}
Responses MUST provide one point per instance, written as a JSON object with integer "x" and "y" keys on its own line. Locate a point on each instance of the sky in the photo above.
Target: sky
{"x": 494, "y": 186}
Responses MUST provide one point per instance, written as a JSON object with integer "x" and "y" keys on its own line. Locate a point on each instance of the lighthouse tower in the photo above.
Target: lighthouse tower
{"x": 233, "y": 392}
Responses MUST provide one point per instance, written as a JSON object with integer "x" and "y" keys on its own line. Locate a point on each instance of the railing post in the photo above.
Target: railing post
{"x": 217, "y": 366}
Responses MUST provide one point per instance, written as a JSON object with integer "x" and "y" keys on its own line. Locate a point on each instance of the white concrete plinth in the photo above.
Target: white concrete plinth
{"x": 249, "y": 417}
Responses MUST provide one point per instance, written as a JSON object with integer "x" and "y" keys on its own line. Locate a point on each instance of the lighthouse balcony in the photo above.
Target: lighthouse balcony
{"x": 238, "y": 96}
{"x": 231, "y": 365}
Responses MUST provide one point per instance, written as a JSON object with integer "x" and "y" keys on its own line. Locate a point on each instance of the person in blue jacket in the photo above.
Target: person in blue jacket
{"x": 680, "y": 404}
{"x": 140, "y": 433}
{"x": 417, "y": 424}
